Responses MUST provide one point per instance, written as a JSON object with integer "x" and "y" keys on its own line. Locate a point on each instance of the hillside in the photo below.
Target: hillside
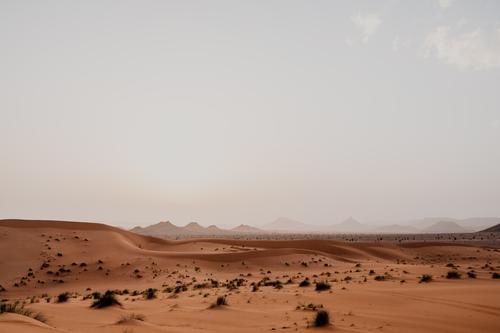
{"x": 445, "y": 227}
{"x": 495, "y": 228}
{"x": 245, "y": 228}
{"x": 284, "y": 224}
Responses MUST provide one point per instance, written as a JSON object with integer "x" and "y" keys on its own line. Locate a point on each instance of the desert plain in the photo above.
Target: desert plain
{"x": 54, "y": 271}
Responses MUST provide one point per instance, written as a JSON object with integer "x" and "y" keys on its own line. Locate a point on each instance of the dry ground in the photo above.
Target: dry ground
{"x": 374, "y": 285}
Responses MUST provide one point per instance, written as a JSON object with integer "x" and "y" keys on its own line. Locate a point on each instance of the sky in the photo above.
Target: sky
{"x": 230, "y": 112}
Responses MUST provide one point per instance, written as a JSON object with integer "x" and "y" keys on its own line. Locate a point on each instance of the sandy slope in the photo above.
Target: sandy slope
{"x": 96, "y": 257}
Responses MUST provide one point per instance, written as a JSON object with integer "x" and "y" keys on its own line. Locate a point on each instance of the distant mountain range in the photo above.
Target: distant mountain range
{"x": 191, "y": 229}
{"x": 283, "y": 224}
{"x": 287, "y": 225}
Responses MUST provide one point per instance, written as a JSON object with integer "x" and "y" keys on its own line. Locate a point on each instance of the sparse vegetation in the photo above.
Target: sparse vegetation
{"x": 19, "y": 308}
{"x": 309, "y": 307}
{"x": 495, "y": 276}
{"x": 132, "y": 316}
{"x": 221, "y": 300}
{"x": 150, "y": 293}
{"x": 320, "y": 286}
{"x": 379, "y": 278}
{"x": 322, "y": 318}
{"x": 472, "y": 274}
{"x": 63, "y": 297}
{"x": 108, "y": 299}
{"x": 425, "y": 278}
{"x": 305, "y": 283}
{"x": 453, "y": 275}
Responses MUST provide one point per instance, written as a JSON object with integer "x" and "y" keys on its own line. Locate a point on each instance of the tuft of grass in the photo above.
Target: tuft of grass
{"x": 108, "y": 299}
{"x": 19, "y": 308}
{"x": 63, "y": 297}
{"x": 425, "y": 278}
{"x": 495, "y": 276}
{"x": 453, "y": 275}
{"x": 320, "y": 286}
{"x": 472, "y": 274}
{"x": 150, "y": 293}
{"x": 132, "y": 316}
{"x": 379, "y": 278}
{"x": 309, "y": 307}
{"x": 221, "y": 300}
{"x": 322, "y": 318}
{"x": 305, "y": 283}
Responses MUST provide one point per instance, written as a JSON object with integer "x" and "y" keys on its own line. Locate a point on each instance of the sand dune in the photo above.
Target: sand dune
{"x": 41, "y": 259}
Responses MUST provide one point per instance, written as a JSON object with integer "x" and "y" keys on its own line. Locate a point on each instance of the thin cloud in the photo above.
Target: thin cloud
{"x": 368, "y": 24}
{"x": 445, "y": 3}
{"x": 396, "y": 44}
{"x": 469, "y": 50}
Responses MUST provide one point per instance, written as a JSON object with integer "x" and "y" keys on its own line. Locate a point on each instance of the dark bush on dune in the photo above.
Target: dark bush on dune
{"x": 150, "y": 293}
{"x": 322, "y": 318}
{"x": 108, "y": 299}
{"x": 320, "y": 286}
{"x": 426, "y": 278}
{"x": 221, "y": 300}
{"x": 305, "y": 283}
{"x": 61, "y": 298}
{"x": 453, "y": 275}
{"x": 495, "y": 276}
{"x": 96, "y": 295}
{"x": 472, "y": 274}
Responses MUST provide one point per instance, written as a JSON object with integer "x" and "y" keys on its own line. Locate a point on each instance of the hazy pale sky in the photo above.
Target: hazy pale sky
{"x": 229, "y": 112}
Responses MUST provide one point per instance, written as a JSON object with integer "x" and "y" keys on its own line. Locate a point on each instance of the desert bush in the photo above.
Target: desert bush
{"x": 309, "y": 307}
{"x": 379, "y": 278}
{"x": 305, "y": 283}
{"x": 495, "y": 276}
{"x": 201, "y": 285}
{"x": 63, "y": 297}
{"x": 19, "y": 308}
{"x": 453, "y": 275}
{"x": 322, "y": 318}
{"x": 320, "y": 286}
{"x": 108, "y": 299}
{"x": 472, "y": 274}
{"x": 266, "y": 282}
{"x": 132, "y": 316}
{"x": 221, "y": 300}
{"x": 150, "y": 293}
{"x": 180, "y": 287}
{"x": 96, "y": 295}
{"x": 426, "y": 278}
